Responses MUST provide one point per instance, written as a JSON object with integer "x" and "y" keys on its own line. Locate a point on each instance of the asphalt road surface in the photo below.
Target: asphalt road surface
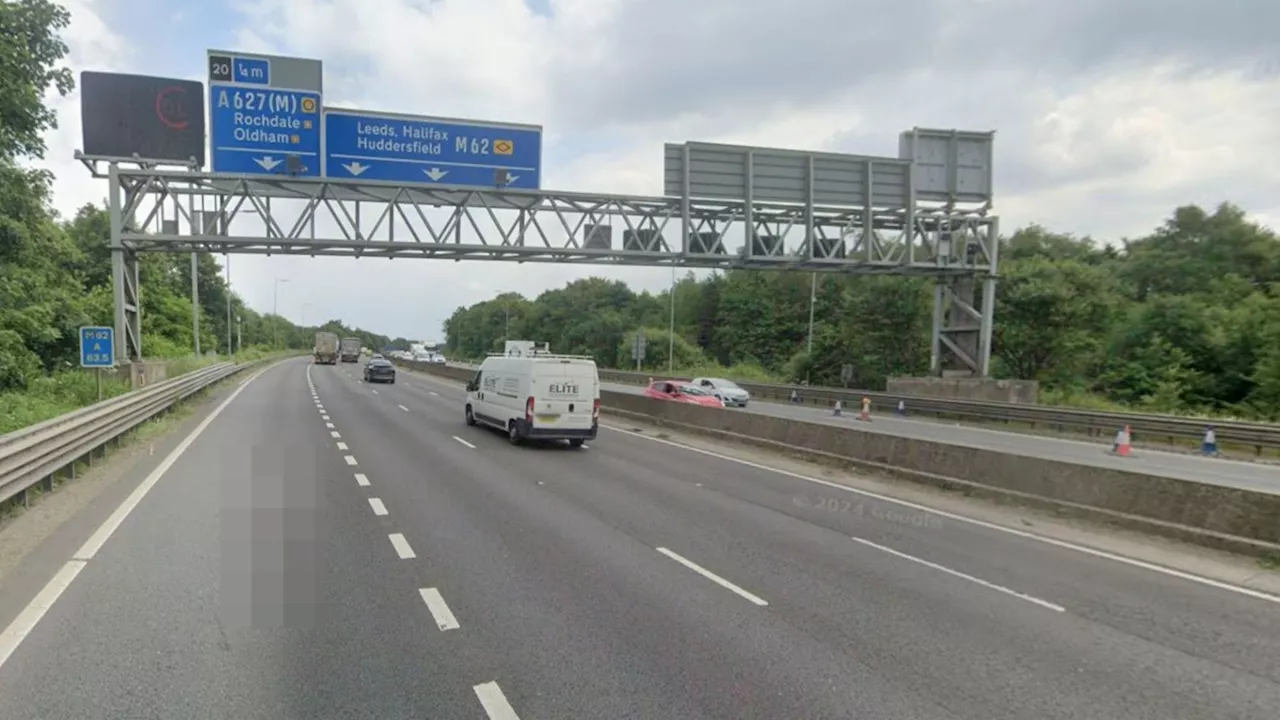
{"x": 1195, "y": 468}
{"x": 355, "y": 551}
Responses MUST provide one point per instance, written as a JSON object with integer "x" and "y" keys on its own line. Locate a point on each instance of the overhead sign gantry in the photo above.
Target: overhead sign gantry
{"x": 384, "y": 184}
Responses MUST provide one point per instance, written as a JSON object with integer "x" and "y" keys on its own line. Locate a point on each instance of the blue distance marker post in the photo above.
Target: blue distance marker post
{"x": 264, "y": 114}
{"x": 97, "y": 351}
{"x": 413, "y": 149}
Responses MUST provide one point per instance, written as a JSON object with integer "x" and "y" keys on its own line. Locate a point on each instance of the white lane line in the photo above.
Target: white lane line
{"x": 351, "y": 460}
{"x": 403, "y": 408}
{"x": 342, "y": 446}
{"x": 329, "y": 425}
{"x": 362, "y": 480}
{"x": 324, "y": 417}
{"x": 1065, "y": 545}
{"x": 712, "y": 576}
{"x": 29, "y": 616}
{"x": 464, "y": 442}
{"x": 439, "y": 610}
{"x": 334, "y": 434}
{"x": 494, "y": 702}
{"x": 963, "y": 576}
{"x": 378, "y": 507}
{"x": 375, "y": 392}
{"x": 433, "y": 392}
{"x": 402, "y": 546}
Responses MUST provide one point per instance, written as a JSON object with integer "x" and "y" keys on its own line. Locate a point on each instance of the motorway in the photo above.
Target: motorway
{"x": 330, "y": 549}
{"x": 1194, "y": 468}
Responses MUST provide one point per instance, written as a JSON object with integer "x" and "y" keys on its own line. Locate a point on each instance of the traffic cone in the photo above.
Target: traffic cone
{"x": 1121, "y": 446}
{"x": 1209, "y": 446}
{"x": 838, "y": 409}
{"x": 902, "y": 408}
{"x": 865, "y": 415}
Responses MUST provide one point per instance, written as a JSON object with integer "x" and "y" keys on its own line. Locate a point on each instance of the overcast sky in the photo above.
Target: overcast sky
{"x": 1108, "y": 113}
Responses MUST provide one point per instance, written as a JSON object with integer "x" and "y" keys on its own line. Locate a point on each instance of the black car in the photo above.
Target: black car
{"x": 379, "y": 370}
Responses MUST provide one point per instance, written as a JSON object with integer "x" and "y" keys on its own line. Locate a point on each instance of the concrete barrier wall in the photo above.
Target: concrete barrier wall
{"x": 1226, "y": 512}
{"x": 1023, "y": 392}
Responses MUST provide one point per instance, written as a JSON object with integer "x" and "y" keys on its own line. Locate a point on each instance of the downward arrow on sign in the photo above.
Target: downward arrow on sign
{"x": 267, "y": 163}
{"x": 436, "y": 173}
{"x": 355, "y": 168}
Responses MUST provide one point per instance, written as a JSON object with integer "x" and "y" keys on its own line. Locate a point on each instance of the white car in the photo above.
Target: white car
{"x": 727, "y": 390}
{"x": 536, "y": 397}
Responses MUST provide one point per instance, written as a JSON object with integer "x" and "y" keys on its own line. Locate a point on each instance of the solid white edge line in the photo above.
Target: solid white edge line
{"x": 402, "y": 546}
{"x": 494, "y": 702}
{"x": 31, "y": 615}
{"x": 351, "y": 459}
{"x": 464, "y": 442}
{"x": 439, "y": 609}
{"x": 99, "y": 537}
{"x": 964, "y": 576}
{"x": 34, "y": 611}
{"x": 712, "y": 576}
{"x": 1065, "y": 545}
{"x": 343, "y": 446}
{"x": 362, "y": 480}
{"x": 378, "y": 507}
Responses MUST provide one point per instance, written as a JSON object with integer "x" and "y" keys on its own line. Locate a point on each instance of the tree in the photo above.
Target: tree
{"x": 30, "y": 50}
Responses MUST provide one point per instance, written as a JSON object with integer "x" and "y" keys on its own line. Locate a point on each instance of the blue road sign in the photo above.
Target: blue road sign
{"x": 251, "y": 70}
{"x": 254, "y": 130}
{"x": 97, "y": 347}
{"x": 433, "y": 151}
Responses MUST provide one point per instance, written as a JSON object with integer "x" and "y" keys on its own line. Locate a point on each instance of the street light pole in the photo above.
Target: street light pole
{"x": 231, "y": 349}
{"x": 671, "y": 325}
{"x": 813, "y": 298}
{"x": 275, "y": 308}
{"x": 195, "y": 300}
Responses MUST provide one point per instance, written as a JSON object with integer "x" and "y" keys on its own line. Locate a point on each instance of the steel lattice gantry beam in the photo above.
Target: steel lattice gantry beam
{"x": 156, "y": 210}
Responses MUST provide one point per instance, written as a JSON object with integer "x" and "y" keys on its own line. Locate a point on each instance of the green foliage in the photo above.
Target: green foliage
{"x": 1185, "y": 320}
{"x": 30, "y": 50}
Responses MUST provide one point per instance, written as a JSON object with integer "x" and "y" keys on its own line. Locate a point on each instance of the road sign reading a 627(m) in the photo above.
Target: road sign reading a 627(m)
{"x": 97, "y": 347}
{"x": 433, "y": 151}
{"x": 264, "y": 114}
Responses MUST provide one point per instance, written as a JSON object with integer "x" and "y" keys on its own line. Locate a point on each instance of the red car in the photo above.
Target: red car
{"x": 677, "y": 391}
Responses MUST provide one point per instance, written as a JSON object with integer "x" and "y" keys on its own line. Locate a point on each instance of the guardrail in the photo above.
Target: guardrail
{"x": 1259, "y": 436}
{"x": 35, "y": 454}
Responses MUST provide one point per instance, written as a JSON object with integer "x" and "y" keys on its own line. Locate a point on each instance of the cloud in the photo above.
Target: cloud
{"x": 1107, "y": 114}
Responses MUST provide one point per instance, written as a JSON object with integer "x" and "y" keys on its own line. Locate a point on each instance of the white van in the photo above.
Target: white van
{"x": 537, "y": 396}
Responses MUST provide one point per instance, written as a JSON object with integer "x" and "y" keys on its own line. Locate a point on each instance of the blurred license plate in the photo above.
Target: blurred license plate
{"x": 545, "y": 417}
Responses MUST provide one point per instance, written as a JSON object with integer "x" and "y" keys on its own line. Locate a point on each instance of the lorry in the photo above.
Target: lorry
{"x": 326, "y": 348}
{"x": 350, "y": 351}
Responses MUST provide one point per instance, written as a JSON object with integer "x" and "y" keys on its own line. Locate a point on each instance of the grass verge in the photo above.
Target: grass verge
{"x": 69, "y": 390}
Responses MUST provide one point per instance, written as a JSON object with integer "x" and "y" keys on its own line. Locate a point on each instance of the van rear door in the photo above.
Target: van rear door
{"x": 564, "y": 392}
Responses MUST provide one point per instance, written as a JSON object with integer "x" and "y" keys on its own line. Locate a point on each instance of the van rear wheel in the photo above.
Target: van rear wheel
{"x": 513, "y": 433}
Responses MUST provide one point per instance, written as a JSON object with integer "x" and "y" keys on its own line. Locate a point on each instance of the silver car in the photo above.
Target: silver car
{"x": 727, "y": 390}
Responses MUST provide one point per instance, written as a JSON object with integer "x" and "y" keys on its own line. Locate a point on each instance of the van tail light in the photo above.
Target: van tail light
{"x": 595, "y": 409}
{"x": 528, "y": 410}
